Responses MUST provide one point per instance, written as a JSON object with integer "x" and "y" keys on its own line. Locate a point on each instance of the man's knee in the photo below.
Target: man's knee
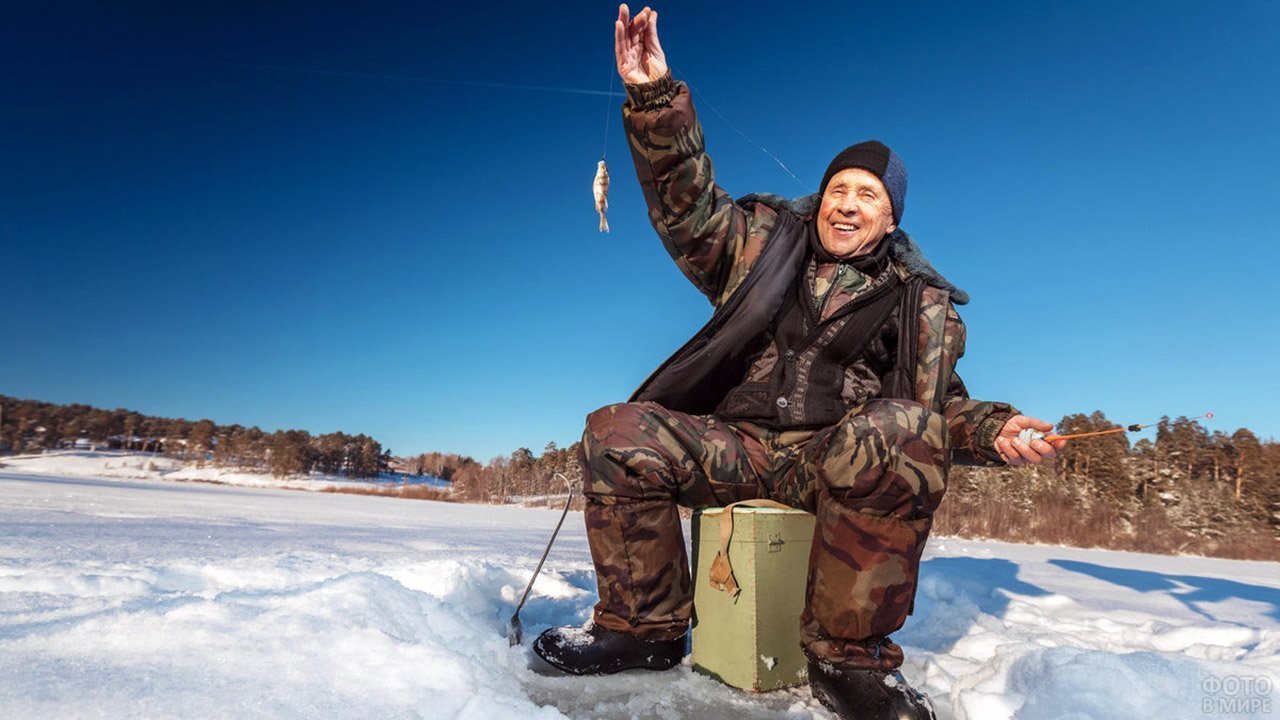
{"x": 882, "y": 430}
{"x": 898, "y": 423}
{"x": 620, "y": 451}
{"x": 887, "y": 458}
{"x": 617, "y": 426}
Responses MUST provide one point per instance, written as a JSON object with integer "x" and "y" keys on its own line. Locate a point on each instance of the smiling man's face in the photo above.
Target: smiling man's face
{"x": 855, "y": 214}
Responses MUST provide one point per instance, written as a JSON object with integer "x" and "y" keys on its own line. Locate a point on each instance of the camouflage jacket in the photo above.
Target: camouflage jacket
{"x": 744, "y": 255}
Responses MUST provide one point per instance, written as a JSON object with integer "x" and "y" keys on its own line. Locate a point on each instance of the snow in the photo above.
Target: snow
{"x": 141, "y": 597}
{"x": 146, "y": 466}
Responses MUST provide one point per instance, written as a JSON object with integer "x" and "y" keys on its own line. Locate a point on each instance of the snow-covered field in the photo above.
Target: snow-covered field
{"x": 149, "y": 598}
{"x": 146, "y": 466}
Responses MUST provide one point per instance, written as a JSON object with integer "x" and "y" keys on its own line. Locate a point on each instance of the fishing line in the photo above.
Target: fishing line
{"x": 342, "y": 73}
{"x": 703, "y": 99}
{"x": 1029, "y": 434}
{"x": 600, "y": 184}
{"x": 608, "y": 106}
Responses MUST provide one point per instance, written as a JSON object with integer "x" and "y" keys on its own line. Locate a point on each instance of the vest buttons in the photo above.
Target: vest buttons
{"x": 782, "y": 402}
{"x": 790, "y": 354}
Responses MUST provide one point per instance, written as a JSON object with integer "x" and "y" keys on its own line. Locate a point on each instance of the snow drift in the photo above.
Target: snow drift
{"x": 148, "y": 598}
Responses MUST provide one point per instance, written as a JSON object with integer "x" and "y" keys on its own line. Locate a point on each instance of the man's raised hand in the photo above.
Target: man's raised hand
{"x": 635, "y": 43}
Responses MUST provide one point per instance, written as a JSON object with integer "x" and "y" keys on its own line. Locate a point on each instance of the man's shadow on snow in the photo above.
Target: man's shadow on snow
{"x": 1193, "y": 591}
{"x": 954, "y": 593}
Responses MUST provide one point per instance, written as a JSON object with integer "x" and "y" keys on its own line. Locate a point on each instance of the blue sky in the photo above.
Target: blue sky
{"x": 340, "y": 217}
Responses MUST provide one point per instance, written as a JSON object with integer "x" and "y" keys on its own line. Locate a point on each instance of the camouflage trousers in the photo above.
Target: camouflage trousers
{"x": 873, "y": 480}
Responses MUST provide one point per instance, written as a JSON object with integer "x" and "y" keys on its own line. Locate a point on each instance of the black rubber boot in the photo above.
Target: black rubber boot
{"x": 593, "y": 650}
{"x": 867, "y": 694}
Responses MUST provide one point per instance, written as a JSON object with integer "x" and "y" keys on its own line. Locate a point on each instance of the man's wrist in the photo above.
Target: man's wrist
{"x": 651, "y": 95}
{"x": 984, "y": 440}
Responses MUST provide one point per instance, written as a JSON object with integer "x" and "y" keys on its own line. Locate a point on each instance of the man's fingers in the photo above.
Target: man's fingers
{"x": 1043, "y": 448}
{"x": 635, "y": 30}
{"x": 653, "y": 35}
{"x": 1007, "y": 453}
{"x": 619, "y": 42}
{"x": 1015, "y": 452}
{"x": 645, "y": 22}
{"x": 1025, "y": 451}
{"x": 1036, "y": 423}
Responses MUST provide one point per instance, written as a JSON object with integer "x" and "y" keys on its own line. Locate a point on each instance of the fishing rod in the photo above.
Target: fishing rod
{"x": 1029, "y": 434}
{"x": 515, "y": 631}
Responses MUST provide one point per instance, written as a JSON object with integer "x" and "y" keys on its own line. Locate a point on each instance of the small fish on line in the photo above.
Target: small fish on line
{"x": 600, "y": 188}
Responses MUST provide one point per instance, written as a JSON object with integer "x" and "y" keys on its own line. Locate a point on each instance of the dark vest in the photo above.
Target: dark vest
{"x": 804, "y": 388}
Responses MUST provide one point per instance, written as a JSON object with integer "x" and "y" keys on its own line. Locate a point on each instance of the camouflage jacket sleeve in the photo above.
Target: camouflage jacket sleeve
{"x": 700, "y": 225}
{"x": 972, "y": 424}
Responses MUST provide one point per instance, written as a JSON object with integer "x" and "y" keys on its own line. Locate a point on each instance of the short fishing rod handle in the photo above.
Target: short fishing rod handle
{"x": 1026, "y": 436}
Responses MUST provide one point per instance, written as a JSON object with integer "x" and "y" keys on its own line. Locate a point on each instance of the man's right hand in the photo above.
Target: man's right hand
{"x": 635, "y": 43}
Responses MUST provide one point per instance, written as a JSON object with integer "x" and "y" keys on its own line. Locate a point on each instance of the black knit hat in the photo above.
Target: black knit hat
{"x": 876, "y": 158}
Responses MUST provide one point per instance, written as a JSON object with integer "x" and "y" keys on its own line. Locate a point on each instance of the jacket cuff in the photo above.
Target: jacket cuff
{"x": 651, "y": 95}
{"x": 984, "y": 440}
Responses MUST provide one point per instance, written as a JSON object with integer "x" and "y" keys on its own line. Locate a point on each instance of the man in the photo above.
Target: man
{"x": 824, "y": 380}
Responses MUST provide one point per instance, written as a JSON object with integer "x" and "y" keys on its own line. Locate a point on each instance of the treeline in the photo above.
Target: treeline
{"x": 32, "y": 426}
{"x": 1189, "y": 491}
{"x": 521, "y": 476}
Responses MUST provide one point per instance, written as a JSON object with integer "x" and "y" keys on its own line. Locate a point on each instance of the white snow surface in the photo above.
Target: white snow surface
{"x": 146, "y": 466}
{"x": 146, "y": 598}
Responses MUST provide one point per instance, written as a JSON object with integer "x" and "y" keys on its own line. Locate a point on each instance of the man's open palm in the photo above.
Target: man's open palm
{"x": 635, "y": 43}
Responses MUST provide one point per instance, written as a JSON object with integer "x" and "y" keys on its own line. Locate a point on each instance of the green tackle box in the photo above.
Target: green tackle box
{"x": 752, "y": 641}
